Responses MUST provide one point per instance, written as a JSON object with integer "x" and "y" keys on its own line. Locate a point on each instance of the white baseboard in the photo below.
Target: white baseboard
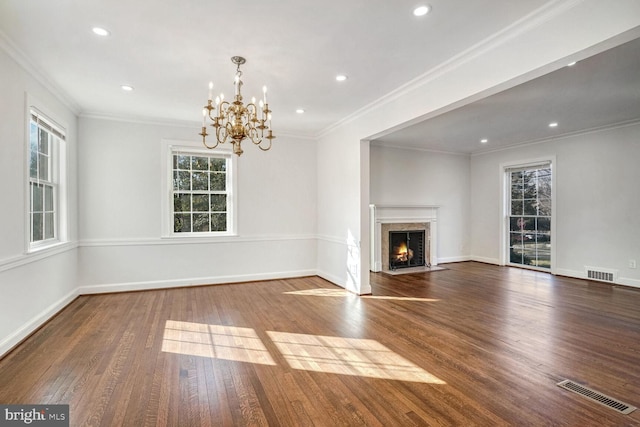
{"x": 570, "y": 273}
{"x": 339, "y": 282}
{"x": 195, "y": 281}
{"x": 493, "y": 261}
{"x": 331, "y": 278}
{"x": 629, "y": 282}
{"x": 32, "y": 325}
{"x": 453, "y": 259}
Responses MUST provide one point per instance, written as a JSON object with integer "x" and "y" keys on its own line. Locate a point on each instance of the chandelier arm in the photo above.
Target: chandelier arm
{"x": 223, "y": 109}
{"x": 251, "y": 111}
{"x": 222, "y": 128}
{"x": 211, "y": 147}
{"x": 221, "y": 134}
{"x": 262, "y": 148}
{"x": 252, "y": 133}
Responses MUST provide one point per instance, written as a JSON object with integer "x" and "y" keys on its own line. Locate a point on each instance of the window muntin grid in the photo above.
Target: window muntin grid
{"x": 43, "y": 165}
{"x": 200, "y": 193}
{"x": 529, "y": 218}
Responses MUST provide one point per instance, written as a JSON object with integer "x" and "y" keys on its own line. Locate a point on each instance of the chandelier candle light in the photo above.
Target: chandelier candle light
{"x": 234, "y": 120}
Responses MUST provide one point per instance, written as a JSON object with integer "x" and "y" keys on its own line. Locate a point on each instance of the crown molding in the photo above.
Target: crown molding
{"x": 414, "y": 148}
{"x": 305, "y": 137}
{"x": 604, "y": 128}
{"x": 15, "y": 53}
{"x": 626, "y": 123}
{"x": 533, "y": 20}
{"x": 155, "y": 121}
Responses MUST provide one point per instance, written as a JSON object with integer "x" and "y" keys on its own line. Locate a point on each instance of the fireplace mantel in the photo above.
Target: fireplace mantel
{"x": 401, "y": 214}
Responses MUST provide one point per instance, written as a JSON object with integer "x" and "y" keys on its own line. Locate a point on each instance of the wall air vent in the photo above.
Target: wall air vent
{"x": 601, "y": 274}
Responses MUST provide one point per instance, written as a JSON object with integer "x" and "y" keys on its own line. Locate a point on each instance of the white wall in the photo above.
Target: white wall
{"x": 597, "y": 201}
{"x": 412, "y": 177}
{"x": 33, "y": 287}
{"x": 120, "y": 228}
{"x": 339, "y": 207}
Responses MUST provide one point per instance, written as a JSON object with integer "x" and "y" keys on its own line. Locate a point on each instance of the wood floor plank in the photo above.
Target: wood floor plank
{"x": 486, "y": 346}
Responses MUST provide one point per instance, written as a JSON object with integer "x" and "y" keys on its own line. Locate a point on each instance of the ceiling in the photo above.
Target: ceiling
{"x": 169, "y": 51}
{"x": 597, "y": 92}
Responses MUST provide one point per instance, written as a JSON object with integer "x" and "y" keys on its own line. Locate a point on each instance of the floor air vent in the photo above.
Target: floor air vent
{"x": 594, "y": 273}
{"x": 596, "y": 396}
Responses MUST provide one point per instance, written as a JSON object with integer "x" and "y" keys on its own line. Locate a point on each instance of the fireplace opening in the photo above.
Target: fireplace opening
{"x": 406, "y": 249}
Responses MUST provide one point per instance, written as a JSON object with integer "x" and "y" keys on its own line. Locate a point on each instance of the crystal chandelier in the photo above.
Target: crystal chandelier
{"x": 236, "y": 122}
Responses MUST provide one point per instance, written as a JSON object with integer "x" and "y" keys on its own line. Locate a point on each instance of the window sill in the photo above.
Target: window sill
{"x": 48, "y": 247}
{"x": 202, "y": 238}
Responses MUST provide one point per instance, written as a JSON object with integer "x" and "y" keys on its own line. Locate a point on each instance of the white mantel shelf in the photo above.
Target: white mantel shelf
{"x": 396, "y": 213}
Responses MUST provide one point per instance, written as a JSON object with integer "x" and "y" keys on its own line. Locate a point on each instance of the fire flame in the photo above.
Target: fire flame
{"x": 402, "y": 253}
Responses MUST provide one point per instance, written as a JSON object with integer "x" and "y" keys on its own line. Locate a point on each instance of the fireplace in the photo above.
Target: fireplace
{"x": 392, "y": 237}
{"x": 407, "y": 219}
{"x": 406, "y": 249}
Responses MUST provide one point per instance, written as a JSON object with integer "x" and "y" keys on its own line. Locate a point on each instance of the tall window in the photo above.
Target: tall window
{"x": 46, "y": 148}
{"x": 201, "y": 193}
{"x": 529, "y": 217}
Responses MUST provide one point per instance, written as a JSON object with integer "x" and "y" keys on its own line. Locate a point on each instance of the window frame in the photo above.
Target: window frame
{"x": 57, "y": 179}
{"x": 505, "y": 170}
{"x": 171, "y": 147}
{"x": 529, "y": 212}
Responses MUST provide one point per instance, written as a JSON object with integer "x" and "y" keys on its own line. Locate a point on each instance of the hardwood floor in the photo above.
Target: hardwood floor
{"x": 470, "y": 345}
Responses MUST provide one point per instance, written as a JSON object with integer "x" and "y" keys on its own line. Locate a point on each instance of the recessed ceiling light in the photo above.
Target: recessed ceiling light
{"x": 571, "y": 64}
{"x": 484, "y": 140}
{"x": 126, "y": 88}
{"x": 421, "y": 10}
{"x": 553, "y": 124}
{"x": 100, "y": 31}
{"x": 341, "y": 77}
{"x": 300, "y": 111}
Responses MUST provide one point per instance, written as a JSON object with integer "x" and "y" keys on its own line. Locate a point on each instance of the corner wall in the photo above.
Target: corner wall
{"x": 122, "y": 247}
{"x": 597, "y": 204}
{"x": 414, "y": 177}
{"x": 340, "y": 196}
{"x": 33, "y": 286}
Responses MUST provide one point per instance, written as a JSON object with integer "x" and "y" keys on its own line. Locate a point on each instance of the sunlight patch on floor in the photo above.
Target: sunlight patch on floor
{"x": 322, "y": 292}
{"x": 347, "y": 356}
{"x": 215, "y": 341}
